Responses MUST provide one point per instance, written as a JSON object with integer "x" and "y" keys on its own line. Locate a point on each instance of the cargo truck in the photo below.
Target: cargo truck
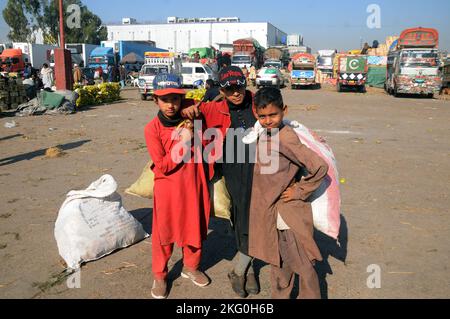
{"x": 413, "y": 64}
{"x": 325, "y": 61}
{"x": 247, "y": 52}
{"x": 155, "y": 63}
{"x": 352, "y": 72}
{"x": 303, "y": 70}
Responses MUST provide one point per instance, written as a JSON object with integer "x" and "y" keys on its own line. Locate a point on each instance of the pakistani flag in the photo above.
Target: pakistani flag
{"x": 356, "y": 64}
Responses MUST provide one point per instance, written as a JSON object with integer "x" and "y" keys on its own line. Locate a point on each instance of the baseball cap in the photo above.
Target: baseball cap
{"x": 167, "y": 83}
{"x": 231, "y": 75}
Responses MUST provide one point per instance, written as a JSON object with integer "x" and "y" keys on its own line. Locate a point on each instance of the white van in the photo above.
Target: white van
{"x": 192, "y": 72}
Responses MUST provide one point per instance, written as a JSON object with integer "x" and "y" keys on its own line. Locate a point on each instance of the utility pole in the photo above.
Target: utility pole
{"x": 63, "y": 59}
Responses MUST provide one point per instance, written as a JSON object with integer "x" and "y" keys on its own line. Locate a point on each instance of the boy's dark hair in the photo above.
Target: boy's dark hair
{"x": 210, "y": 82}
{"x": 268, "y": 95}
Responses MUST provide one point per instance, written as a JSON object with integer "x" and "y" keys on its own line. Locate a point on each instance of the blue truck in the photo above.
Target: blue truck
{"x": 103, "y": 57}
{"x": 111, "y": 52}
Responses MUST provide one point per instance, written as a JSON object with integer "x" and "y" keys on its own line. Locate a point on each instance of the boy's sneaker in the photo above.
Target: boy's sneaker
{"x": 251, "y": 285}
{"x": 159, "y": 289}
{"x": 197, "y": 277}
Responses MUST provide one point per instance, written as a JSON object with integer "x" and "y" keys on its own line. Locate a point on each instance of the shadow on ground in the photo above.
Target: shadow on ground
{"x": 41, "y": 152}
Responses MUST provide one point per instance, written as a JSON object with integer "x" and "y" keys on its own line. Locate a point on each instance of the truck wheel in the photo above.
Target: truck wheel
{"x": 430, "y": 95}
{"x": 143, "y": 97}
{"x": 338, "y": 88}
{"x": 362, "y": 89}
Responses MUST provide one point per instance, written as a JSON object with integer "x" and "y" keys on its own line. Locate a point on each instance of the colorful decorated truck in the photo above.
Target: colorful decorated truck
{"x": 413, "y": 64}
{"x": 303, "y": 70}
{"x": 352, "y": 72}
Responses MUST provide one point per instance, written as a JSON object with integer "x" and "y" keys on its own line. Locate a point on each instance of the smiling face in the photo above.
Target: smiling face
{"x": 169, "y": 104}
{"x": 271, "y": 116}
{"x": 235, "y": 94}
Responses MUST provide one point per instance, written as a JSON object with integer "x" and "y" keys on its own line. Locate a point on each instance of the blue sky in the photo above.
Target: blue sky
{"x": 323, "y": 23}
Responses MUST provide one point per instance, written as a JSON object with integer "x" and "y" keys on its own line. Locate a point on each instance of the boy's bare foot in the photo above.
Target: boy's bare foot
{"x": 238, "y": 284}
{"x": 197, "y": 277}
{"x": 251, "y": 285}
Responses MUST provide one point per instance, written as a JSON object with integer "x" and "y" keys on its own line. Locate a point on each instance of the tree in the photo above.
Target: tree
{"x": 43, "y": 15}
{"x": 19, "y": 25}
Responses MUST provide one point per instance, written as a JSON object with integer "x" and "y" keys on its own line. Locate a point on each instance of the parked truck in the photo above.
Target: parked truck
{"x": 102, "y": 57}
{"x": 280, "y": 54}
{"x": 325, "y": 61}
{"x": 446, "y": 73}
{"x": 79, "y": 52}
{"x": 303, "y": 70}
{"x": 12, "y": 58}
{"x": 36, "y": 54}
{"x": 413, "y": 65}
{"x": 122, "y": 48}
{"x": 351, "y": 71}
{"x": 247, "y": 52}
{"x": 155, "y": 63}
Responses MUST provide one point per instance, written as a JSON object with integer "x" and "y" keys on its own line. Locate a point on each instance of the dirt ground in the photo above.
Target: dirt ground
{"x": 393, "y": 155}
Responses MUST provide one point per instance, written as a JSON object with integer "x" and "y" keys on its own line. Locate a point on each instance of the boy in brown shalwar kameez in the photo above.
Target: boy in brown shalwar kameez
{"x": 281, "y": 224}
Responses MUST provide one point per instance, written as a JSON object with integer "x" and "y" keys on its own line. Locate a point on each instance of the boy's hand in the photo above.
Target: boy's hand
{"x": 289, "y": 195}
{"x": 191, "y": 112}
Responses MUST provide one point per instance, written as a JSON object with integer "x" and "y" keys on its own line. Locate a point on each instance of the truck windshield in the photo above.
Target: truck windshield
{"x": 305, "y": 68}
{"x": 240, "y": 59}
{"x": 151, "y": 70}
{"x": 98, "y": 59}
{"x": 414, "y": 59}
{"x": 325, "y": 60}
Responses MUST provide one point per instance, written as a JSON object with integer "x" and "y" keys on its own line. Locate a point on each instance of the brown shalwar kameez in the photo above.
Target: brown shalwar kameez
{"x": 294, "y": 250}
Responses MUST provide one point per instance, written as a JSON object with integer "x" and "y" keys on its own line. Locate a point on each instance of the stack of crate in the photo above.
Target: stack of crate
{"x": 4, "y": 94}
{"x": 12, "y": 93}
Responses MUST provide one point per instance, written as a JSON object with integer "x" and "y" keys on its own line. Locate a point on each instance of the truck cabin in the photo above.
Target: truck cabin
{"x": 152, "y": 70}
{"x": 325, "y": 62}
{"x": 241, "y": 59}
{"x": 12, "y": 58}
{"x": 273, "y": 63}
{"x": 95, "y": 61}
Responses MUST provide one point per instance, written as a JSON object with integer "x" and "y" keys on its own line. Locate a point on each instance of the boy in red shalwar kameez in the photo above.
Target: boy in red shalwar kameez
{"x": 181, "y": 199}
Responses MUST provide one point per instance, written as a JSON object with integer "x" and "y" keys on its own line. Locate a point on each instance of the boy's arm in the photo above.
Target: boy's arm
{"x": 316, "y": 167}
{"x": 162, "y": 160}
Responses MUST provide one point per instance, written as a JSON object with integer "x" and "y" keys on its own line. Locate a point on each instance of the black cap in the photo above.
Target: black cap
{"x": 231, "y": 75}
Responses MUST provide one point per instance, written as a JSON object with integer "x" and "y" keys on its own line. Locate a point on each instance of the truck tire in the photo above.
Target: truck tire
{"x": 430, "y": 95}
{"x": 143, "y": 97}
{"x": 338, "y": 87}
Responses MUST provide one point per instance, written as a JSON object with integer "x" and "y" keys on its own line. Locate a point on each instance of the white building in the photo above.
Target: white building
{"x": 181, "y": 37}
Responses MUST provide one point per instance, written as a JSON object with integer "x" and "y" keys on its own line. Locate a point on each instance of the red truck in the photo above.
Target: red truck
{"x": 247, "y": 52}
{"x": 413, "y": 65}
{"x": 12, "y": 58}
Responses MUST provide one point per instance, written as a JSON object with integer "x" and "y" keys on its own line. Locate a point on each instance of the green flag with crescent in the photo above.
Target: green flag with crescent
{"x": 356, "y": 64}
